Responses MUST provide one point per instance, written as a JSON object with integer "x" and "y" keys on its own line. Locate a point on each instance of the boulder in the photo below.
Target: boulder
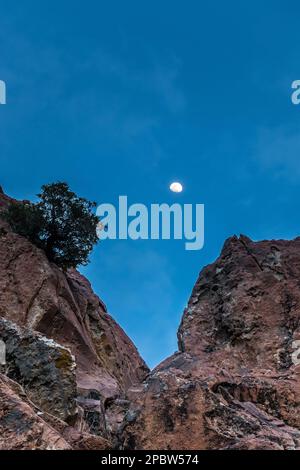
{"x": 44, "y": 368}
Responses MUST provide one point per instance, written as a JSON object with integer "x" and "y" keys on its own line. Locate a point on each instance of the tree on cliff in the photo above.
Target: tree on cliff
{"x": 61, "y": 223}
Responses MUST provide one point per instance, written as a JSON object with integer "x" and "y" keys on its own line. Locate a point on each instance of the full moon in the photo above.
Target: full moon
{"x": 176, "y": 187}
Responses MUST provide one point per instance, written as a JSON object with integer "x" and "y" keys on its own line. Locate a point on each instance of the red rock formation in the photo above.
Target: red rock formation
{"x": 233, "y": 384}
{"x": 37, "y": 294}
{"x": 21, "y": 428}
{"x": 45, "y": 368}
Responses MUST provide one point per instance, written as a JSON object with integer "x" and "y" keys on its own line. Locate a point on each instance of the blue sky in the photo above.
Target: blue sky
{"x": 125, "y": 97}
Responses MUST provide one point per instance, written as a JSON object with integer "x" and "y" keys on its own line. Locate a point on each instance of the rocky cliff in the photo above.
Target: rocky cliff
{"x": 74, "y": 380}
{"x": 235, "y": 382}
{"x": 62, "y": 346}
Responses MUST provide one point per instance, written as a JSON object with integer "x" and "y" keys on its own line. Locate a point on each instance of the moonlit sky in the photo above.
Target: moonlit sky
{"x": 123, "y": 98}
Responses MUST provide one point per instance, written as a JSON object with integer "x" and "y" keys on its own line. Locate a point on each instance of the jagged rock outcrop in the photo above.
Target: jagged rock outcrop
{"x": 235, "y": 382}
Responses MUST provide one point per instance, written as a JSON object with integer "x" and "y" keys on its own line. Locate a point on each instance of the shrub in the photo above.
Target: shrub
{"x": 61, "y": 223}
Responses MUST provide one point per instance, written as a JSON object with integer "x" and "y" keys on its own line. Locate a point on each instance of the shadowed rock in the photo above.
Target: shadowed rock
{"x": 44, "y": 368}
{"x": 21, "y": 428}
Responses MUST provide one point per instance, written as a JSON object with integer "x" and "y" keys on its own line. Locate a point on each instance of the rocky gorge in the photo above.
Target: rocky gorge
{"x": 72, "y": 379}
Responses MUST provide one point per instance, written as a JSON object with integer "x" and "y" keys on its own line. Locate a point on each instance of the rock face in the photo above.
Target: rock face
{"x": 50, "y": 322}
{"x": 23, "y": 426}
{"x": 44, "y": 368}
{"x": 20, "y": 426}
{"x": 73, "y": 379}
{"x": 246, "y": 306}
{"x": 36, "y": 294}
{"x": 235, "y": 382}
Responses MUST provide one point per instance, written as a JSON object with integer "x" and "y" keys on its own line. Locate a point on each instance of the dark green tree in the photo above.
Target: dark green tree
{"x": 61, "y": 223}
